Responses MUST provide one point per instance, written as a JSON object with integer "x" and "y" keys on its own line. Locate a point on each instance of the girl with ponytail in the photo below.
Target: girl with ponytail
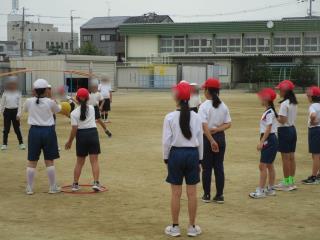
{"x": 84, "y": 129}
{"x": 182, "y": 152}
{"x": 216, "y": 119}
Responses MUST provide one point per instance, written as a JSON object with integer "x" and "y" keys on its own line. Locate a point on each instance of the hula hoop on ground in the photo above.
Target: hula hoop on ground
{"x": 67, "y": 189}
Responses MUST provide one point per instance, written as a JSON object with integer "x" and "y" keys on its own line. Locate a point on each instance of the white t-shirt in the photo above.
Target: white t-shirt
{"x": 314, "y": 108}
{"x": 105, "y": 90}
{"x": 172, "y": 135}
{"x": 290, "y": 111}
{"x": 89, "y": 122}
{"x": 214, "y": 117}
{"x": 268, "y": 118}
{"x": 195, "y": 101}
{"x": 95, "y": 98}
{"x": 11, "y": 100}
{"x": 41, "y": 114}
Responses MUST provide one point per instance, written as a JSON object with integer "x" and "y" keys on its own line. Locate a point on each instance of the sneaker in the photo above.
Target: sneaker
{"x": 282, "y": 187}
{"x": 108, "y": 133}
{"x": 194, "y": 231}
{"x": 22, "y": 146}
{"x": 4, "y": 147}
{"x": 270, "y": 191}
{"x": 75, "y": 187}
{"x": 96, "y": 186}
{"x": 173, "y": 231}
{"x": 310, "y": 180}
{"x": 206, "y": 198}
{"x": 318, "y": 177}
{"x": 218, "y": 199}
{"x": 29, "y": 190}
{"x": 259, "y": 193}
{"x": 293, "y": 187}
{"x": 54, "y": 189}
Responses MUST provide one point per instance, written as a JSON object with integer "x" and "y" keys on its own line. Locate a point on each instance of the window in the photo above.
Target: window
{"x": 35, "y": 29}
{"x": 200, "y": 44}
{"x": 310, "y": 44}
{"x": 179, "y": 45}
{"x": 52, "y": 44}
{"x": 250, "y": 44}
{"x": 234, "y": 45}
{"x": 47, "y": 45}
{"x": 57, "y": 44}
{"x": 206, "y": 45}
{"x": 194, "y": 45}
{"x": 105, "y": 37}
{"x": 29, "y": 29}
{"x": 41, "y": 30}
{"x": 294, "y": 44}
{"x": 280, "y": 44}
{"x": 172, "y": 44}
{"x": 61, "y": 44}
{"x": 221, "y": 45}
{"x": 87, "y": 38}
{"x": 166, "y": 44}
{"x": 263, "y": 44}
{"x": 67, "y": 46}
{"x": 1, "y": 48}
{"x": 32, "y": 45}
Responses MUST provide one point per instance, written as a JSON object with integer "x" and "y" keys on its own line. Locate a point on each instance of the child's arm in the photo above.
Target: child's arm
{"x": 264, "y": 137}
{"x": 166, "y": 139}
{"x": 221, "y": 128}
{"x": 72, "y": 135}
{"x": 207, "y": 133}
{"x": 2, "y": 103}
{"x": 313, "y": 119}
{"x": 19, "y": 108}
{"x": 282, "y": 119}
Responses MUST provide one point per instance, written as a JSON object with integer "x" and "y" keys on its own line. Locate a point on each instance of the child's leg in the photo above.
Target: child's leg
{"x": 263, "y": 175}
{"x": 176, "y": 191}
{"x": 6, "y": 127}
{"x": 78, "y": 169}
{"x": 51, "y": 172}
{"x": 271, "y": 174}
{"x": 292, "y": 165}
{"x": 16, "y": 127}
{"x": 192, "y": 203}
{"x": 102, "y": 124}
{"x": 286, "y": 164}
{"x": 316, "y": 164}
{"x": 31, "y": 171}
{"x": 95, "y": 167}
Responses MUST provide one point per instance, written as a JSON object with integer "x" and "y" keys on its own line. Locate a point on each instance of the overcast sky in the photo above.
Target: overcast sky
{"x": 179, "y": 10}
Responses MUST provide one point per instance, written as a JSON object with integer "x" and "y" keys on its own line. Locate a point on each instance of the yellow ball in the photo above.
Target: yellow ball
{"x": 65, "y": 108}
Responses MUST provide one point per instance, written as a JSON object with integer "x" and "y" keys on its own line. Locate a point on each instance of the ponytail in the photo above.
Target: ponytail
{"x": 271, "y": 104}
{"x": 214, "y": 93}
{"x": 315, "y": 99}
{"x": 291, "y": 97}
{"x": 39, "y": 93}
{"x": 83, "y": 109}
{"x": 184, "y": 119}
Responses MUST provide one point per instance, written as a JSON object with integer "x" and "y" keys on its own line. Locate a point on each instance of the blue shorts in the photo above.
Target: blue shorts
{"x": 183, "y": 163}
{"x": 287, "y": 139}
{"x": 314, "y": 140}
{"x": 87, "y": 142}
{"x": 269, "y": 150}
{"x": 45, "y": 139}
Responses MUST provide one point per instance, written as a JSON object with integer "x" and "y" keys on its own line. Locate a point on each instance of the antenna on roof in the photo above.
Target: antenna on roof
{"x": 310, "y": 6}
{"x": 109, "y": 7}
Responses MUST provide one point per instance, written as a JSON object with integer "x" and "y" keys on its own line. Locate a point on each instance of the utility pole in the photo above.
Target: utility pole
{"x": 310, "y": 8}
{"x": 22, "y": 33}
{"x": 72, "y": 39}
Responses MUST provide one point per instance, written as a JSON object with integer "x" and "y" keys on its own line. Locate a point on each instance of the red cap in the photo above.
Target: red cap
{"x": 212, "y": 83}
{"x": 83, "y": 93}
{"x": 267, "y": 94}
{"x": 182, "y": 91}
{"x": 285, "y": 85}
{"x": 313, "y": 91}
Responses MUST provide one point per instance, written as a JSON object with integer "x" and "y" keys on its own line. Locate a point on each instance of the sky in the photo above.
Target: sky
{"x": 179, "y": 10}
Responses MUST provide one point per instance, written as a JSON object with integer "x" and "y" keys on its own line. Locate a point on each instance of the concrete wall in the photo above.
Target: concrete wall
{"x": 142, "y": 46}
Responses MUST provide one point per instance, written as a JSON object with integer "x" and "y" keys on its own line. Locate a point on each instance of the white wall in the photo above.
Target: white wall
{"x": 142, "y": 46}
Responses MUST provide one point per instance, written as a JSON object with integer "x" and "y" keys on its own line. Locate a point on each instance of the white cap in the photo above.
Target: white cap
{"x": 40, "y": 83}
{"x": 184, "y": 81}
{"x": 194, "y": 84}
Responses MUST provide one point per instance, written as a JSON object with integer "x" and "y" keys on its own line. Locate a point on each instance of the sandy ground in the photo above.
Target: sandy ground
{"x": 137, "y": 203}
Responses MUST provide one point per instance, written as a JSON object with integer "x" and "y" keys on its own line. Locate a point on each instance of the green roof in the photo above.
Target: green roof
{"x": 297, "y": 25}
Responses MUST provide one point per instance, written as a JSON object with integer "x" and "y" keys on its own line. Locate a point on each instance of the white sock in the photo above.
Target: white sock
{"x": 30, "y": 175}
{"x": 51, "y": 172}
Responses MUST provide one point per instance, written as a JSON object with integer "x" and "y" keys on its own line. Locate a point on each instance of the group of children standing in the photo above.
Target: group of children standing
{"x": 186, "y": 151}
{"x": 41, "y": 109}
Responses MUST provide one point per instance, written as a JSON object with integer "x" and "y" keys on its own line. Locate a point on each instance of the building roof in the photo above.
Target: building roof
{"x": 300, "y": 25}
{"x": 104, "y": 22}
{"x": 149, "y": 18}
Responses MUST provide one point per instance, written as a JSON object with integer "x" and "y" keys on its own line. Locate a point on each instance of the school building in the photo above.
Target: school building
{"x": 158, "y": 55}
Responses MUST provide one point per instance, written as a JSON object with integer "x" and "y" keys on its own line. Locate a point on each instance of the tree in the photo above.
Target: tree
{"x": 303, "y": 75}
{"x": 88, "y": 49}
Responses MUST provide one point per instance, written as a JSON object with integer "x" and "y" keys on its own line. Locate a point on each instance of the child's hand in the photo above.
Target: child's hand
{"x": 213, "y": 130}
{"x": 260, "y": 146}
{"x": 18, "y": 118}
{"x": 68, "y": 145}
{"x": 214, "y": 147}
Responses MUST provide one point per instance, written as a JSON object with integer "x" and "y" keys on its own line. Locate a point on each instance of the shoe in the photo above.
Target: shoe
{"x": 173, "y": 231}
{"x": 206, "y": 198}
{"x": 293, "y": 187}
{"x": 318, "y": 177}
{"x": 108, "y": 133}
{"x": 270, "y": 191}
{"x": 310, "y": 180}
{"x": 22, "y": 146}
{"x": 29, "y": 190}
{"x": 4, "y": 147}
{"x": 194, "y": 231}
{"x": 259, "y": 193}
{"x": 96, "y": 186}
{"x": 75, "y": 187}
{"x": 282, "y": 187}
{"x": 218, "y": 199}
{"x": 54, "y": 189}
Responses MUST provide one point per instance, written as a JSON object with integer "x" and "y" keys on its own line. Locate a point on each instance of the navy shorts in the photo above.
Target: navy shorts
{"x": 314, "y": 140}
{"x": 107, "y": 105}
{"x": 183, "y": 163}
{"x": 87, "y": 142}
{"x": 287, "y": 139}
{"x": 42, "y": 139}
{"x": 97, "y": 112}
{"x": 269, "y": 150}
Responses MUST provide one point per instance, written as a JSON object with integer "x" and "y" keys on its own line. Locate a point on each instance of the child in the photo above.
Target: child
{"x": 10, "y": 107}
{"x": 84, "y": 129}
{"x": 268, "y": 145}
{"x": 94, "y": 99}
{"x": 216, "y": 120}
{"x": 287, "y": 135}
{"x": 64, "y": 97}
{"x": 313, "y": 94}
{"x": 106, "y": 92}
{"x": 195, "y": 99}
{"x": 42, "y": 134}
{"x": 182, "y": 152}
